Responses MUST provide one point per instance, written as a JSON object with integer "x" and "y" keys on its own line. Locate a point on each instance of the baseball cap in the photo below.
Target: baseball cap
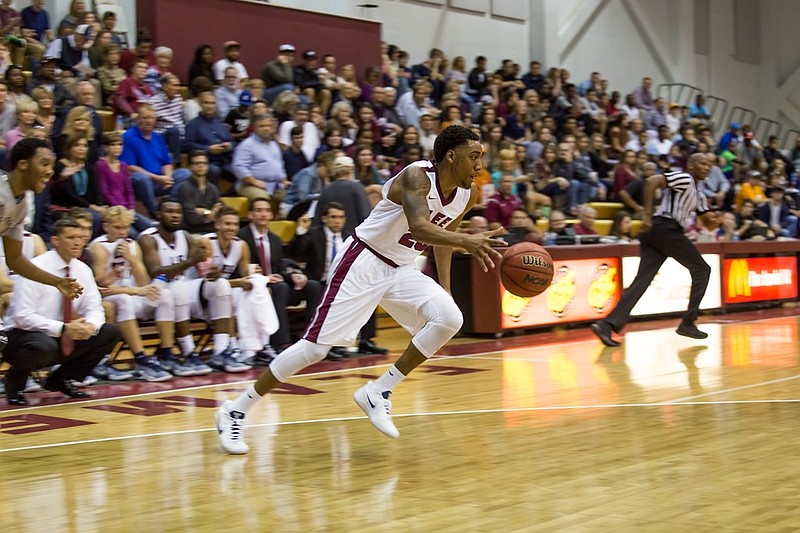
{"x": 286, "y": 48}
{"x": 735, "y": 125}
{"x": 231, "y": 44}
{"x": 309, "y": 54}
{"x": 48, "y": 59}
{"x": 342, "y": 162}
{"x": 246, "y": 98}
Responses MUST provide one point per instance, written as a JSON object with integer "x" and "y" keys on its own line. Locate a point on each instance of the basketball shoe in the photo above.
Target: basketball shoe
{"x": 378, "y": 408}
{"x": 230, "y": 425}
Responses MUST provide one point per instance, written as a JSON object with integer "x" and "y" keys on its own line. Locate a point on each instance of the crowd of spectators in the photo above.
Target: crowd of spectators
{"x": 294, "y": 129}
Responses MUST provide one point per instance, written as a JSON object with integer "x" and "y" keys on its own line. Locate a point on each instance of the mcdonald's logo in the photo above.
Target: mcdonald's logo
{"x": 739, "y": 279}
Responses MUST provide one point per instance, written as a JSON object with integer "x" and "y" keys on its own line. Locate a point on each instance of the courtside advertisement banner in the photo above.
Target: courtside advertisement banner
{"x": 582, "y": 289}
{"x": 759, "y": 279}
{"x": 669, "y": 290}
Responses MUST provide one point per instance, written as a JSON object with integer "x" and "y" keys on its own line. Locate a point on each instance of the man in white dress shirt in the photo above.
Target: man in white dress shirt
{"x": 47, "y": 328}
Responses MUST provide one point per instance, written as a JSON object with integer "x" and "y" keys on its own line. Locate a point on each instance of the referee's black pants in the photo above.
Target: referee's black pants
{"x": 664, "y": 239}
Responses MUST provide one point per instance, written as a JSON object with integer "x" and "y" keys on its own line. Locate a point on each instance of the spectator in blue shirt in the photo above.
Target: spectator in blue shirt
{"x": 258, "y": 164}
{"x": 149, "y": 161}
{"x": 207, "y": 133}
{"x": 36, "y": 23}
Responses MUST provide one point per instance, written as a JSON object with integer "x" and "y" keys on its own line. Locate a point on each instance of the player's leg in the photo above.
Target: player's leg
{"x": 148, "y": 367}
{"x": 432, "y": 317}
{"x": 219, "y": 296}
{"x": 119, "y": 309}
{"x": 358, "y": 281}
{"x": 184, "y": 293}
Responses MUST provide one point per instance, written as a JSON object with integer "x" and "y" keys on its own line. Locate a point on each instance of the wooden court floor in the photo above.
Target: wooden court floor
{"x": 540, "y": 433}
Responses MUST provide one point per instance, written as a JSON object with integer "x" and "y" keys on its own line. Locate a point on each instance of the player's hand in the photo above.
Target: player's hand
{"x": 213, "y": 273}
{"x": 151, "y": 292}
{"x": 69, "y": 287}
{"x": 482, "y": 247}
{"x": 199, "y": 254}
{"x": 245, "y": 285}
{"x": 124, "y": 250}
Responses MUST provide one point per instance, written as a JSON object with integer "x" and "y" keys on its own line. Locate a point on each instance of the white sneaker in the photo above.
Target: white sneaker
{"x": 230, "y": 425}
{"x": 377, "y": 408}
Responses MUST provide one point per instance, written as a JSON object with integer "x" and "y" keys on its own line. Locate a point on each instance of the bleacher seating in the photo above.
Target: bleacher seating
{"x": 284, "y": 229}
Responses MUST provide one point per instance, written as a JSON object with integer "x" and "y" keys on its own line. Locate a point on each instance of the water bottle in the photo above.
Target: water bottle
{"x": 161, "y": 282}
{"x": 120, "y": 124}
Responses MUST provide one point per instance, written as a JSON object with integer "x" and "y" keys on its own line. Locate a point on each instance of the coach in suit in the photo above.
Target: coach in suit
{"x": 46, "y": 328}
{"x": 288, "y": 284}
{"x": 316, "y": 247}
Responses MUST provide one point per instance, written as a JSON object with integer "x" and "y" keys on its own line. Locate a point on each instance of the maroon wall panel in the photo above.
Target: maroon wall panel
{"x": 185, "y": 24}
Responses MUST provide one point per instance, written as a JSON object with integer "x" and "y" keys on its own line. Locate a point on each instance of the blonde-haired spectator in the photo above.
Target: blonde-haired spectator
{"x": 78, "y": 123}
{"x": 45, "y": 107}
{"x": 26, "y": 121}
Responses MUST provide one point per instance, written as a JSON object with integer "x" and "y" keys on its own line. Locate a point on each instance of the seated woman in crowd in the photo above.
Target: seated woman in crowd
{"x": 546, "y": 182}
{"x": 621, "y": 228}
{"x": 368, "y": 174}
{"x": 78, "y": 124}
{"x": 45, "y": 108}
{"x": 26, "y": 121}
{"x": 203, "y": 64}
{"x": 74, "y": 183}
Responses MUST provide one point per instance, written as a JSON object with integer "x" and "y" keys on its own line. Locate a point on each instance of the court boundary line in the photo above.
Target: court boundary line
{"x": 403, "y": 415}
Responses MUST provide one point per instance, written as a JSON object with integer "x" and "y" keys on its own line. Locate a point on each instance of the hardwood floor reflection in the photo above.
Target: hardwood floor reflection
{"x": 660, "y": 434}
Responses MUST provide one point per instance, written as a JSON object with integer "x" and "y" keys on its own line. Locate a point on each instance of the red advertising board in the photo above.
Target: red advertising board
{"x": 759, "y": 279}
{"x": 582, "y": 289}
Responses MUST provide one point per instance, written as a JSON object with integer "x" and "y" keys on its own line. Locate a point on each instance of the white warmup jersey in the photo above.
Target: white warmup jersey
{"x": 226, "y": 264}
{"x": 27, "y": 252}
{"x": 117, "y": 262}
{"x": 386, "y": 230}
{"x": 12, "y": 210}
{"x": 172, "y": 254}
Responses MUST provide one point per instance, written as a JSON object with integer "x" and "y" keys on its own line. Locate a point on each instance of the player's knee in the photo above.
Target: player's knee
{"x": 125, "y": 308}
{"x": 221, "y": 288}
{"x": 180, "y": 293}
{"x": 443, "y": 312}
{"x": 295, "y": 358}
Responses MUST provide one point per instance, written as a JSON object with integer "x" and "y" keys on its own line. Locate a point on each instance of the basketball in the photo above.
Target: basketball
{"x": 526, "y": 270}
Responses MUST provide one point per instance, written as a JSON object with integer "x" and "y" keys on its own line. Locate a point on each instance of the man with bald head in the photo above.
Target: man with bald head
{"x": 662, "y": 236}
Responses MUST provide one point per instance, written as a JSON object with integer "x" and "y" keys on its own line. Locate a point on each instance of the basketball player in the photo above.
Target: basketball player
{"x": 252, "y": 304}
{"x": 32, "y": 163}
{"x": 170, "y": 251}
{"x": 421, "y": 206}
{"x": 662, "y": 236}
{"x": 122, "y": 279}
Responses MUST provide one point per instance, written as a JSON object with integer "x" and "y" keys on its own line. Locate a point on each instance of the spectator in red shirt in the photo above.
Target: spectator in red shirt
{"x": 133, "y": 91}
{"x": 502, "y": 204}
{"x": 585, "y": 225}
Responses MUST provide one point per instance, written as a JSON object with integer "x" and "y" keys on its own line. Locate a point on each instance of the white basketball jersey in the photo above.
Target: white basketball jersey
{"x": 117, "y": 262}
{"x": 226, "y": 264}
{"x": 386, "y": 230}
{"x": 172, "y": 254}
{"x": 27, "y": 252}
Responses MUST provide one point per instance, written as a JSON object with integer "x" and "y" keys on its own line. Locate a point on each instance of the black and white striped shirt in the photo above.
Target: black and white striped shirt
{"x": 681, "y": 198}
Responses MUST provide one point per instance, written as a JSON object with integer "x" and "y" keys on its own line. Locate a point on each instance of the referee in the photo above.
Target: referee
{"x": 663, "y": 237}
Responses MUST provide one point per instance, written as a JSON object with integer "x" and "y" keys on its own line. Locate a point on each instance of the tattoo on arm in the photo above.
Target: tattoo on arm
{"x": 415, "y": 188}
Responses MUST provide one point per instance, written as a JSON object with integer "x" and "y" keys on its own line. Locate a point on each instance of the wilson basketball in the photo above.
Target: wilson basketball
{"x": 526, "y": 270}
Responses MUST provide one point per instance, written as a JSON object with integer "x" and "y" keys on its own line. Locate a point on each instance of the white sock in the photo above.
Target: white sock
{"x": 246, "y": 400}
{"x": 389, "y": 380}
{"x": 221, "y": 342}
{"x": 187, "y": 344}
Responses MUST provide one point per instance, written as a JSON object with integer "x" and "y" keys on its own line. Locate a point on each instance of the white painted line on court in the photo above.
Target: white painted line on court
{"x": 406, "y": 415}
{"x": 734, "y": 389}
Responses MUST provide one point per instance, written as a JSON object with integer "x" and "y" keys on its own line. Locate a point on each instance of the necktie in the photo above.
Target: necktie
{"x": 262, "y": 250}
{"x": 333, "y": 249}
{"x": 66, "y": 342}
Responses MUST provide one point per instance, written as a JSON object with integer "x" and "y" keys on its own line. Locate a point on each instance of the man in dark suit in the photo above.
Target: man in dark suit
{"x": 317, "y": 247}
{"x": 776, "y": 214}
{"x": 288, "y": 284}
{"x": 345, "y": 191}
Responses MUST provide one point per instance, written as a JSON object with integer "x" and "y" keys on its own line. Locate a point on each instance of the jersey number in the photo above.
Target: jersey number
{"x": 407, "y": 241}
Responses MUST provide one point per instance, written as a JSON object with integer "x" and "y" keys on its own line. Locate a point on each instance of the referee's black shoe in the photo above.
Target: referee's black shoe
{"x": 602, "y": 329}
{"x": 690, "y": 330}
